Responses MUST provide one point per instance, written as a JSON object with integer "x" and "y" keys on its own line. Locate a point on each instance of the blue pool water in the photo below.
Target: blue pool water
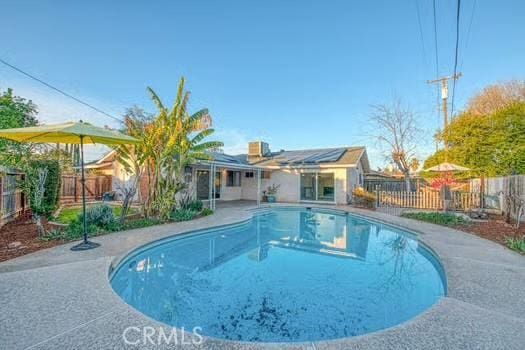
{"x": 288, "y": 275}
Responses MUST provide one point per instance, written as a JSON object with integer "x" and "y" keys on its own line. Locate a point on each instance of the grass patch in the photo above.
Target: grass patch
{"x": 69, "y": 214}
{"x": 445, "y": 219}
{"x": 74, "y": 230}
{"x": 103, "y": 218}
{"x": 517, "y": 244}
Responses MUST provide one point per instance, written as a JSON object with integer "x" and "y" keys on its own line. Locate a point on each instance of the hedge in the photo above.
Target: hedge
{"x": 52, "y": 185}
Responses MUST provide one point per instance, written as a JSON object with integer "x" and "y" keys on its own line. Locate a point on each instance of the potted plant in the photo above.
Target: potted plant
{"x": 270, "y": 193}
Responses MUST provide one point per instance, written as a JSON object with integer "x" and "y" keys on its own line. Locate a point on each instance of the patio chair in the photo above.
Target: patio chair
{"x": 108, "y": 196}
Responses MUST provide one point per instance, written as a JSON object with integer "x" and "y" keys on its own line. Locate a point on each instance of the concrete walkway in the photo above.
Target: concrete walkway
{"x": 58, "y": 299}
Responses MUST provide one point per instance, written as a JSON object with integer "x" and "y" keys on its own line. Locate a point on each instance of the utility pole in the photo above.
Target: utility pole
{"x": 444, "y": 97}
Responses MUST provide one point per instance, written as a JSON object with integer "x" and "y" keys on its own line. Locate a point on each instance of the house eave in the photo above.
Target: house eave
{"x": 309, "y": 166}
{"x": 228, "y": 165}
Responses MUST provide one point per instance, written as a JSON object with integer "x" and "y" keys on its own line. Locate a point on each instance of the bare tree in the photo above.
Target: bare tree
{"x": 514, "y": 202}
{"x": 497, "y": 96}
{"x": 38, "y": 197}
{"x": 397, "y": 132}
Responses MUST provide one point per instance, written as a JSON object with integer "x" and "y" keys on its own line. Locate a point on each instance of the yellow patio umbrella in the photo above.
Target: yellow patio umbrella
{"x": 71, "y": 133}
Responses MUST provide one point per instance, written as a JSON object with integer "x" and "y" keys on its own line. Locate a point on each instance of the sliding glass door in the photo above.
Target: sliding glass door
{"x": 203, "y": 185}
{"x": 317, "y": 187}
{"x": 308, "y": 187}
{"x": 325, "y": 187}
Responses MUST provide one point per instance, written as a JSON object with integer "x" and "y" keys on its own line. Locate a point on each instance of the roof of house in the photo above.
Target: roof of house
{"x": 298, "y": 158}
{"x": 335, "y": 156}
{"x": 240, "y": 159}
{"x": 104, "y": 162}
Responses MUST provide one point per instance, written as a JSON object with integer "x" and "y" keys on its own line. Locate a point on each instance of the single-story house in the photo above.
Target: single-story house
{"x": 325, "y": 175}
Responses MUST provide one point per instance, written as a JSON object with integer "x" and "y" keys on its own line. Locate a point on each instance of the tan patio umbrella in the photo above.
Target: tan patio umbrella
{"x": 447, "y": 167}
{"x": 70, "y": 133}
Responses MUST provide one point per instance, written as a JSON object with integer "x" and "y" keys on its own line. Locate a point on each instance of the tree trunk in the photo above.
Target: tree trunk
{"x": 407, "y": 182}
{"x": 519, "y": 215}
{"x": 508, "y": 209}
{"x": 39, "y": 227}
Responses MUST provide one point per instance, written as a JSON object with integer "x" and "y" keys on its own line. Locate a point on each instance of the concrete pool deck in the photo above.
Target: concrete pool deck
{"x": 59, "y": 299}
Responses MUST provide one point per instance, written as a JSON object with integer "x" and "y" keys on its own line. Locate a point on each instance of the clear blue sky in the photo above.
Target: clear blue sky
{"x": 295, "y": 73}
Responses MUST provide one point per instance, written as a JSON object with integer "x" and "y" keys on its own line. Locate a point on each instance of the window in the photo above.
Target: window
{"x": 318, "y": 187}
{"x": 265, "y": 174}
{"x": 248, "y": 174}
{"x": 233, "y": 178}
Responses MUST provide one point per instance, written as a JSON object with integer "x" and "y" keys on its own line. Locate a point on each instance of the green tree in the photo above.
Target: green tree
{"x": 169, "y": 142}
{"x": 493, "y": 144}
{"x": 15, "y": 111}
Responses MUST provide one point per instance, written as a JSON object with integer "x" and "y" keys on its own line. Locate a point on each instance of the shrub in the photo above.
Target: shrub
{"x": 74, "y": 230}
{"x": 52, "y": 184}
{"x": 206, "y": 211}
{"x": 517, "y": 244}
{"x": 183, "y": 215}
{"x": 100, "y": 215}
{"x": 99, "y": 219}
{"x": 195, "y": 205}
{"x": 363, "y": 198}
{"x": 446, "y": 219}
{"x": 54, "y": 235}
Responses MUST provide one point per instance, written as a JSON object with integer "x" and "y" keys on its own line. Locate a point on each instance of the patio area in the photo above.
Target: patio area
{"x": 59, "y": 299}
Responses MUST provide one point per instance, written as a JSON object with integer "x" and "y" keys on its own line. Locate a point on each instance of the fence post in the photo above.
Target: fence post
{"x": 1, "y": 197}
{"x": 75, "y": 188}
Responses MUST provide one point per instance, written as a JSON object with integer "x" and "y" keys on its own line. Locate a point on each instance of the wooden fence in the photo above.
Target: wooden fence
{"x": 495, "y": 187}
{"x": 462, "y": 201}
{"x": 71, "y": 187}
{"x": 495, "y": 190}
{"x": 12, "y": 200}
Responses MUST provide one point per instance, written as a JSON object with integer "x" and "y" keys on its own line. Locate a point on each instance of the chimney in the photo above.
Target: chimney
{"x": 258, "y": 149}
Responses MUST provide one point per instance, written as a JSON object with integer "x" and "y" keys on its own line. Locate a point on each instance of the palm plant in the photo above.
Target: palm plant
{"x": 171, "y": 141}
{"x": 132, "y": 158}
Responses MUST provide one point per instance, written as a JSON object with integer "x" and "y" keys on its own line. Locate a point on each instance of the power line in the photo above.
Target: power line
{"x": 421, "y": 37}
{"x": 60, "y": 91}
{"x": 467, "y": 37}
{"x": 455, "y": 59}
{"x": 436, "y": 56}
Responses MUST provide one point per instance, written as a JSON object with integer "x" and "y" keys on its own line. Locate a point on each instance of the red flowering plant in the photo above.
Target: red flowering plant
{"x": 444, "y": 179}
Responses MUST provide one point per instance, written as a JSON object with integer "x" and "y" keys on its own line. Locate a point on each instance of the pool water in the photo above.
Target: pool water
{"x": 288, "y": 275}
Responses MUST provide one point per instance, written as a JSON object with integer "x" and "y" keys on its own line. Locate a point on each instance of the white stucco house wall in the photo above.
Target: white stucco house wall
{"x": 312, "y": 175}
{"x": 326, "y": 175}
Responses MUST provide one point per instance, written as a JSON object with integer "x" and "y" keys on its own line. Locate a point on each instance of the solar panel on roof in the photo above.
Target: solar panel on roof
{"x": 310, "y": 156}
{"x": 330, "y": 156}
{"x": 221, "y": 157}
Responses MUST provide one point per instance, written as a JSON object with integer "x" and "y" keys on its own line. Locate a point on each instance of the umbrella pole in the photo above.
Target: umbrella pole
{"x": 85, "y": 245}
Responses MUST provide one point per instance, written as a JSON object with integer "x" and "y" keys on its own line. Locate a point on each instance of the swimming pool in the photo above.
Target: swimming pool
{"x": 287, "y": 275}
